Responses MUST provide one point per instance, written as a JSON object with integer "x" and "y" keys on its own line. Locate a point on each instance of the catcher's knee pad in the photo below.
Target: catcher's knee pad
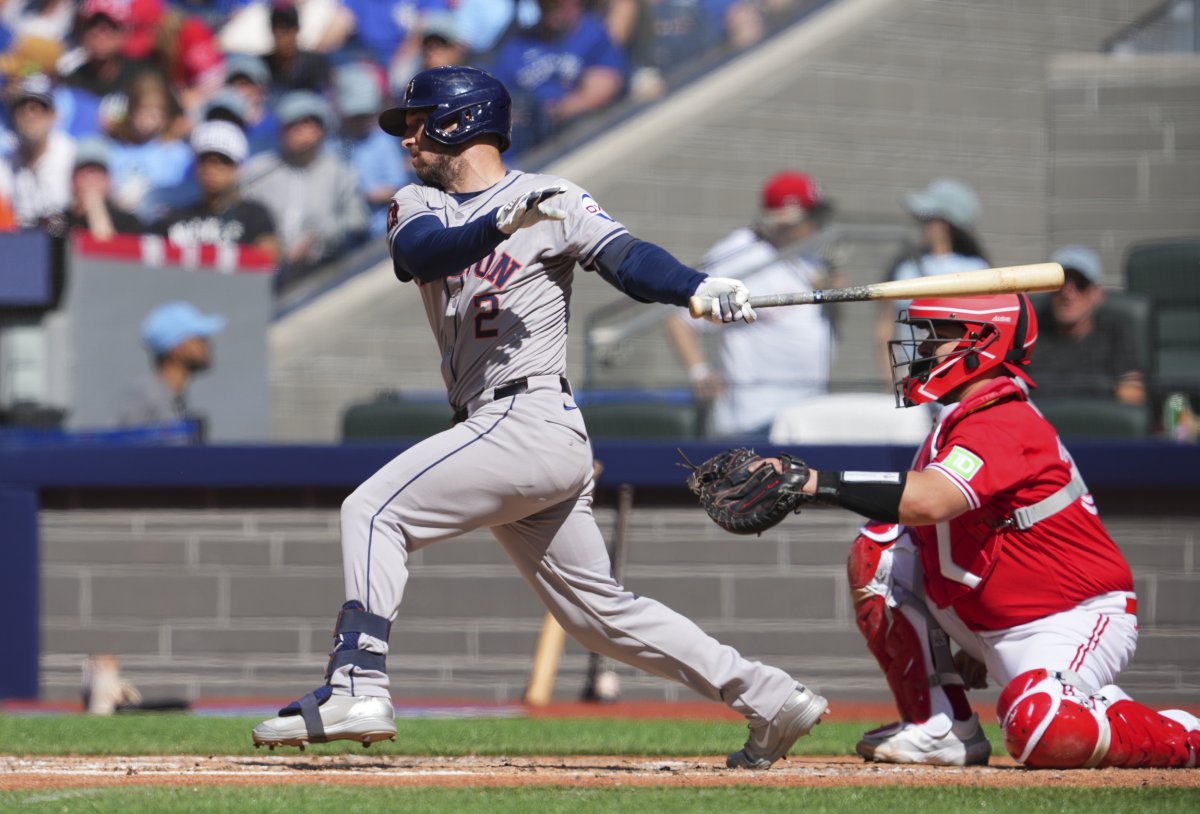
{"x": 893, "y": 639}
{"x": 1051, "y": 722}
{"x": 1143, "y": 737}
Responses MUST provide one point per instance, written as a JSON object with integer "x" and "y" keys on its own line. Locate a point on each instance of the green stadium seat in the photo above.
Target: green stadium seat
{"x": 645, "y": 419}
{"x": 1087, "y": 417}
{"x": 1169, "y": 273}
{"x": 392, "y": 417}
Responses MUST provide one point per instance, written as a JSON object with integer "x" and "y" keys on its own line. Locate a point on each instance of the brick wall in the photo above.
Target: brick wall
{"x": 208, "y": 603}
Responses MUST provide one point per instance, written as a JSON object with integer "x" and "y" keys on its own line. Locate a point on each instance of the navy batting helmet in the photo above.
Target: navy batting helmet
{"x": 462, "y": 102}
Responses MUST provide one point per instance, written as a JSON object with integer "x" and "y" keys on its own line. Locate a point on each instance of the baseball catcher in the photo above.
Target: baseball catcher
{"x": 990, "y": 541}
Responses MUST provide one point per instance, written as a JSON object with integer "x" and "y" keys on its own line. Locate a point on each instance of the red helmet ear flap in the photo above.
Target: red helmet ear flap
{"x": 1019, "y": 352}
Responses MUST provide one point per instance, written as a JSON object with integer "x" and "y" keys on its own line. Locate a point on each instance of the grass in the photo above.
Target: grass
{"x": 948, "y": 800}
{"x": 184, "y": 734}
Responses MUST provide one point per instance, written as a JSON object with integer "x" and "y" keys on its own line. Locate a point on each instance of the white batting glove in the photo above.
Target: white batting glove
{"x": 529, "y": 209}
{"x": 729, "y": 299}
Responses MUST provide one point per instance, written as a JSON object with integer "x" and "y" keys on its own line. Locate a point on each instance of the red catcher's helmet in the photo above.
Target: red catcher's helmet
{"x": 998, "y": 330}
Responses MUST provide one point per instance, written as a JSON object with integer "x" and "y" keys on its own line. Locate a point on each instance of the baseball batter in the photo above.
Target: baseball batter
{"x": 493, "y": 252}
{"x": 993, "y": 540}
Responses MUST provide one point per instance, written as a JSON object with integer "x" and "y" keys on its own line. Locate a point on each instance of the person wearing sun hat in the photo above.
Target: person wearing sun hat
{"x": 946, "y": 210}
{"x": 178, "y": 337}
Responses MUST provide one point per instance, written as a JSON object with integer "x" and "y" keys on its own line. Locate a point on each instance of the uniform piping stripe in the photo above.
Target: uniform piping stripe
{"x": 413, "y": 479}
{"x": 1090, "y": 645}
{"x": 513, "y": 177}
{"x": 963, "y": 486}
{"x": 942, "y": 310}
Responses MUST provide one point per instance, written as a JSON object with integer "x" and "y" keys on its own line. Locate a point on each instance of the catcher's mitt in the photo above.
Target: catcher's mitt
{"x": 744, "y": 494}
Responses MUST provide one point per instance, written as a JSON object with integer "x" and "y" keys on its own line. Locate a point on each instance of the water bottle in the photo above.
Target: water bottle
{"x": 1175, "y": 425}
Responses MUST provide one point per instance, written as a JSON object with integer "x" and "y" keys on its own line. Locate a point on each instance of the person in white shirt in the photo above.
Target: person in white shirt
{"x": 36, "y": 177}
{"x": 785, "y": 355}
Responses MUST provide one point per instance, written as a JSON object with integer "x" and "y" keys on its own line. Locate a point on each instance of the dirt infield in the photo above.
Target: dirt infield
{"x": 34, "y": 773}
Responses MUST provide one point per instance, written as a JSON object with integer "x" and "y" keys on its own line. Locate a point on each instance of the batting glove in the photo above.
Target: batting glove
{"x": 728, "y": 298}
{"x": 528, "y": 209}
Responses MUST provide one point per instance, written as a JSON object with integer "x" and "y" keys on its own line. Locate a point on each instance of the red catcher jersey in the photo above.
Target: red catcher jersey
{"x": 1002, "y": 455}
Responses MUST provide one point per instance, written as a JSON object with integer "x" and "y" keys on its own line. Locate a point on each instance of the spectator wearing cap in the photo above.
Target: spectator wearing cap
{"x": 222, "y": 217}
{"x": 251, "y": 78}
{"x": 785, "y": 355}
{"x": 178, "y": 337}
{"x": 1082, "y": 350}
{"x": 292, "y": 67}
{"x": 946, "y": 211}
{"x": 563, "y": 68}
{"x": 311, "y": 192}
{"x": 149, "y": 159}
{"x": 442, "y": 42}
{"x": 36, "y": 177}
{"x": 99, "y": 65}
{"x": 378, "y": 161}
{"x": 92, "y": 206}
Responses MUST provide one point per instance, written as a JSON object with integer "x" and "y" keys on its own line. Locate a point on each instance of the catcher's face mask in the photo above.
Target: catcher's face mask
{"x": 927, "y": 362}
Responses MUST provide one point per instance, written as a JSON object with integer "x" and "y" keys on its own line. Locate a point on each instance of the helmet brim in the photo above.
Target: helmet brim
{"x": 393, "y": 121}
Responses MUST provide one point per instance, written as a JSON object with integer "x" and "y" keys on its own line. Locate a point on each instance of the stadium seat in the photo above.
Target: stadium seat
{"x": 1087, "y": 417}
{"x": 850, "y": 418}
{"x": 393, "y": 417}
{"x": 646, "y": 419}
{"x": 1168, "y": 272}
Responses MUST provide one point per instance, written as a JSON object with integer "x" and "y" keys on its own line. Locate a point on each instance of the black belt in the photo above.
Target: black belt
{"x": 521, "y": 385}
{"x": 513, "y": 388}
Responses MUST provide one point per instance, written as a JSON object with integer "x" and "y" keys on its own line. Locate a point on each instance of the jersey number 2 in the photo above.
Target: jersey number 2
{"x": 487, "y": 308}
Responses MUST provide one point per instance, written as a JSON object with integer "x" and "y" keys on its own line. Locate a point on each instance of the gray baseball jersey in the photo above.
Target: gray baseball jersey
{"x": 520, "y": 462}
{"x": 506, "y": 316}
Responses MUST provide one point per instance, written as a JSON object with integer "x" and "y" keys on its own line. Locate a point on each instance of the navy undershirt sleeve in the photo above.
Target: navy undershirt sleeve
{"x": 425, "y": 249}
{"x": 646, "y": 272}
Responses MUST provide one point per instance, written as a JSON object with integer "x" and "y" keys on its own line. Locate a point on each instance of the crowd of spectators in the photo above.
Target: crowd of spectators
{"x": 102, "y": 100}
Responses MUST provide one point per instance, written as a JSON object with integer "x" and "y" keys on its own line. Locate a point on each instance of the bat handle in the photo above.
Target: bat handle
{"x": 699, "y": 306}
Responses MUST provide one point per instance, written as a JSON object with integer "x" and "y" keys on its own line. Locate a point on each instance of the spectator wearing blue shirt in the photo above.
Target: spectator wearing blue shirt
{"x": 386, "y": 32}
{"x": 563, "y": 68}
{"x": 482, "y": 22}
{"x": 251, "y": 78}
{"x": 375, "y": 156}
{"x": 669, "y": 34}
{"x": 148, "y": 158}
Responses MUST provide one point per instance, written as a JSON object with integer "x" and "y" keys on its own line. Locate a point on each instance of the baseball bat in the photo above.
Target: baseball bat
{"x": 545, "y": 662}
{"x": 1008, "y": 279}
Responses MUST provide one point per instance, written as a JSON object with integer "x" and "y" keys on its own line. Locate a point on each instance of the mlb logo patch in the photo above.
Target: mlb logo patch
{"x": 963, "y": 462}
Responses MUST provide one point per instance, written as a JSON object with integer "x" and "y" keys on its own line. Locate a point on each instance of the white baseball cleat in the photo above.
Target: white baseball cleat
{"x": 770, "y": 741}
{"x": 937, "y": 742}
{"x": 321, "y": 717}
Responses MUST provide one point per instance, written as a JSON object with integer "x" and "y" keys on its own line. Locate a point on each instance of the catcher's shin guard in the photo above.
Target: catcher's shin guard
{"x": 1142, "y": 737}
{"x": 902, "y": 639}
{"x": 1050, "y": 721}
